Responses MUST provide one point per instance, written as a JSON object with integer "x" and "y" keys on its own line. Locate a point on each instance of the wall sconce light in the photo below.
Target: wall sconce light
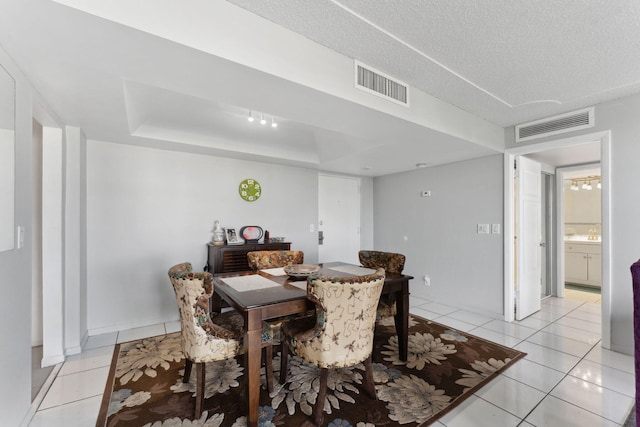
{"x": 263, "y": 121}
{"x": 250, "y": 118}
{"x": 274, "y": 124}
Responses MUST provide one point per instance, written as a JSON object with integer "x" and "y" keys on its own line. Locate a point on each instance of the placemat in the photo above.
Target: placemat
{"x": 250, "y": 283}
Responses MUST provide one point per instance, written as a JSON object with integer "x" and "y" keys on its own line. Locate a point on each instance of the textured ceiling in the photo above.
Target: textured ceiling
{"x": 147, "y": 73}
{"x": 506, "y": 61}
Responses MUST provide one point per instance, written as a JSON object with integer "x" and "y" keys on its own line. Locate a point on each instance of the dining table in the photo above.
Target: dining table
{"x": 262, "y": 295}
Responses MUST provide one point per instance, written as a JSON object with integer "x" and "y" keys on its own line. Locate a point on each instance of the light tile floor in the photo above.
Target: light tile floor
{"x": 565, "y": 380}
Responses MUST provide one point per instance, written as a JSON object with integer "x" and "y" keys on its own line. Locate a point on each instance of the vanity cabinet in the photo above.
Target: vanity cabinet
{"x": 230, "y": 258}
{"x": 583, "y": 264}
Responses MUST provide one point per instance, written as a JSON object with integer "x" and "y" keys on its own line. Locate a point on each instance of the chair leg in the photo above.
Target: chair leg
{"x": 200, "y": 380}
{"x": 322, "y": 393}
{"x": 268, "y": 366}
{"x": 284, "y": 354}
{"x": 187, "y": 370}
{"x": 369, "y": 383}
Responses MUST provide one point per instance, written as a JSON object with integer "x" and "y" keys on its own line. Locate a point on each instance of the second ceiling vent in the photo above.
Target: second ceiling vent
{"x": 561, "y": 123}
{"x": 377, "y": 83}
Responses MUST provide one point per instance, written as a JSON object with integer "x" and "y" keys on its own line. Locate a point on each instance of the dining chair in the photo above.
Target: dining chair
{"x": 273, "y": 259}
{"x": 340, "y": 334}
{"x": 392, "y": 263}
{"x": 209, "y": 337}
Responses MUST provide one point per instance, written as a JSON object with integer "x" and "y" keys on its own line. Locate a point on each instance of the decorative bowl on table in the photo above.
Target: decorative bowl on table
{"x": 300, "y": 271}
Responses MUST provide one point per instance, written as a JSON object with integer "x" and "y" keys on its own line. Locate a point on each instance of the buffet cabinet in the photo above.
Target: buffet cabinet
{"x": 230, "y": 258}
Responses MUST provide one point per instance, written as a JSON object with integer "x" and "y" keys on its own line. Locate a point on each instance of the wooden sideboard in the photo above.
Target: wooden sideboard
{"x": 230, "y": 258}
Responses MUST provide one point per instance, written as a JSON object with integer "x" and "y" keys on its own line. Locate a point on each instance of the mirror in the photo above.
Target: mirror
{"x": 7, "y": 160}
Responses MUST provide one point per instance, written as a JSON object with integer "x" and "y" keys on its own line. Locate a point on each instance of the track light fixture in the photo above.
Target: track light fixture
{"x": 585, "y": 183}
{"x": 263, "y": 119}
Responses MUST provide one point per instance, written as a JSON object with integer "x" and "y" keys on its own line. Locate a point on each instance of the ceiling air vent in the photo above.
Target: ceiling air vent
{"x": 561, "y": 123}
{"x": 377, "y": 83}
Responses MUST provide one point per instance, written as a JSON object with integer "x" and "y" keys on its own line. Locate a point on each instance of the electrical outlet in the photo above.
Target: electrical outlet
{"x": 427, "y": 280}
{"x": 483, "y": 228}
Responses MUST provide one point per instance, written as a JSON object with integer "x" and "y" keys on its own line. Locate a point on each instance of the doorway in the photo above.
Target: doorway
{"x": 580, "y": 223}
{"x": 575, "y": 145}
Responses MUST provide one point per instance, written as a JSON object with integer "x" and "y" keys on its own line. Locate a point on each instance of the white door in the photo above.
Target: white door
{"x": 528, "y": 237}
{"x": 339, "y": 218}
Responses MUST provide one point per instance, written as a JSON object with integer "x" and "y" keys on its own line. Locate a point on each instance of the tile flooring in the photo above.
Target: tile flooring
{"x": 566, "y": 379}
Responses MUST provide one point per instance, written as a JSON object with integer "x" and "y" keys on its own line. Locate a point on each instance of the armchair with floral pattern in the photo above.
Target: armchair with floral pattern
{"x": 205, "y": 338}
{"x": 341, "y": 332}
{"x": 392, "y": 263}
{"x": 273, "y": 259}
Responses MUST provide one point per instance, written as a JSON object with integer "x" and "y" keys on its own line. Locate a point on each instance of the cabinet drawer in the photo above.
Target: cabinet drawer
{"x": 582, "y": 248}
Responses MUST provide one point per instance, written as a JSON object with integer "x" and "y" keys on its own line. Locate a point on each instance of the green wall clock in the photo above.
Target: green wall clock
{"x": 250, "y": 190}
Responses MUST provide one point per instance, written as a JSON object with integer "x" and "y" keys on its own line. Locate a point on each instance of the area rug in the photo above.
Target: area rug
{"x": 444, "y": 367}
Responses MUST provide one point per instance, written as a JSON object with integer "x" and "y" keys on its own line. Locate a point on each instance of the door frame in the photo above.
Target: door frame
{"x": 604, "y": 138}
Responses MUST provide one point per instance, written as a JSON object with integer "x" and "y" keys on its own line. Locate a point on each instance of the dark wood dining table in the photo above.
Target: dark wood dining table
{"x": 288, "y": 297}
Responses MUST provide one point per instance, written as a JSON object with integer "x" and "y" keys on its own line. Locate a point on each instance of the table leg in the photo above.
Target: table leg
{"x": 402, "y": 320}
{"x": 252, "y": 358}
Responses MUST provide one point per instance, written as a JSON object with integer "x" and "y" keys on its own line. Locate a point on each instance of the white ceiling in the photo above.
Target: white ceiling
{"x": 111, "y": 74}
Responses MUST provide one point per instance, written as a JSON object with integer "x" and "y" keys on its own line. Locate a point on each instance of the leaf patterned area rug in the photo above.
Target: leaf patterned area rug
{"x": 444, "y": 367}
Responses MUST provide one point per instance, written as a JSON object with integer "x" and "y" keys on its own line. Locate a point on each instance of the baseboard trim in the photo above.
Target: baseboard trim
{"x": 51, "y": 360}
{"x": 126, "y": 326}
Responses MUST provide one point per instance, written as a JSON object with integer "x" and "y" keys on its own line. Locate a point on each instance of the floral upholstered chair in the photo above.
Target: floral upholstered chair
{"x": 273, "y": 259}
{"x": 206, "y": 339}
{"x": 392, "y": 263}
{"x": 341, "y": 332}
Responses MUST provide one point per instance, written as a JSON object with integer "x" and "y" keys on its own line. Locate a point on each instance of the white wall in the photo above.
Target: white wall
{"x": 621, "y": 117}
{"x": 15, "y": 265}
{"x": 582, "y": 206}
{"x": 441, "y": 230}
{"x": 148, "y": 209}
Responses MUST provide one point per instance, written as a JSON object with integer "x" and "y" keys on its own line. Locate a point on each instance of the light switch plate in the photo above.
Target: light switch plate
{"x": 483, "y": 228}
{"x": 495, "y": 228}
